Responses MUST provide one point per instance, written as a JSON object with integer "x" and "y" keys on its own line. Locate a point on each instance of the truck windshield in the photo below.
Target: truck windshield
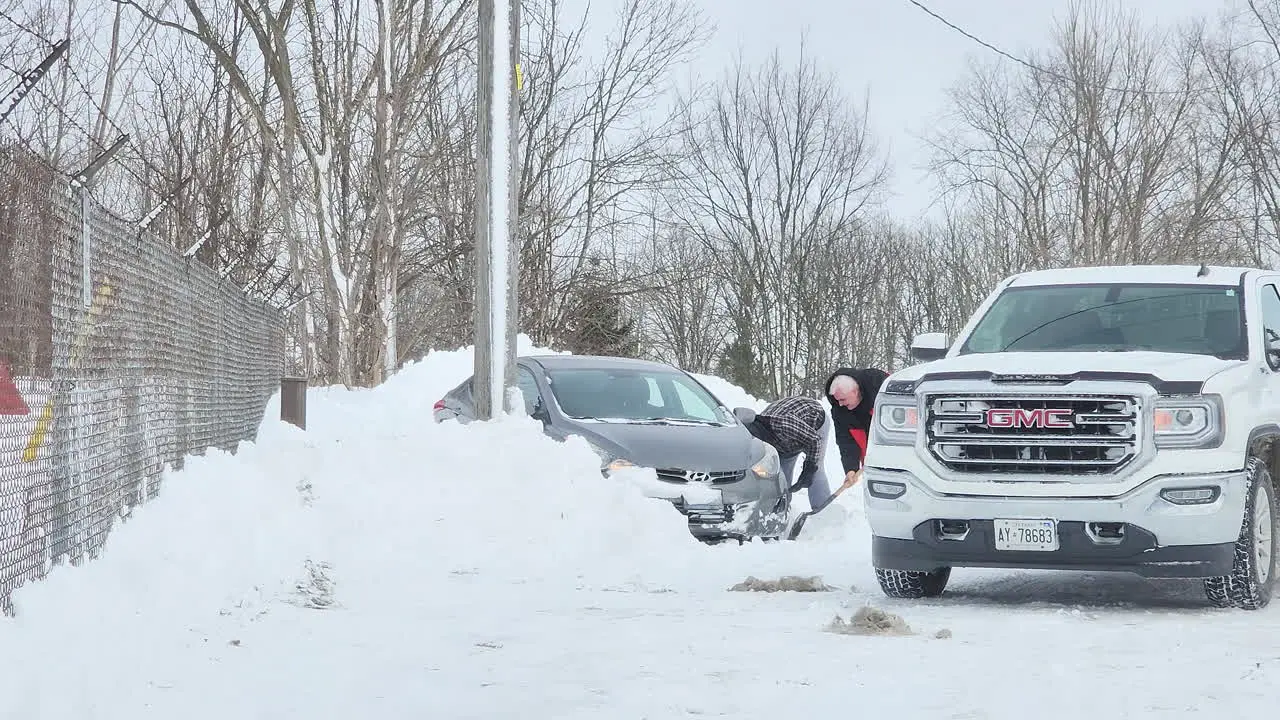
{"x": 1197, "y": 319}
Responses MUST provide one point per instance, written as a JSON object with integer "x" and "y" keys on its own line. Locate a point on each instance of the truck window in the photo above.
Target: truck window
{"x": 1197, "y": 319}
{"x": 1270, "y": 302}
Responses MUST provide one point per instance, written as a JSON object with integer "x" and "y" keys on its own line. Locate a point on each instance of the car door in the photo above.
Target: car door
{"x": 534, "y": 391}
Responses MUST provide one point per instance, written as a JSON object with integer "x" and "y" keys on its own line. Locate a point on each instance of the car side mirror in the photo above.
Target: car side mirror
{"x": 929, "y": 346}
{"x": 540, "y": 412}
{"x": 744, "y": 415}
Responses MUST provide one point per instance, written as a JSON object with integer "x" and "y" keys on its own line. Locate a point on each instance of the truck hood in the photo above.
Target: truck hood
{"x": 1164, "y": 367}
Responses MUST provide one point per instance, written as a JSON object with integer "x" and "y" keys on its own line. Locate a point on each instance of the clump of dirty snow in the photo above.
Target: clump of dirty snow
{"x": 870, "y": 621}
{"x": 786, "y": 583}
{"x": 316, "y": 589}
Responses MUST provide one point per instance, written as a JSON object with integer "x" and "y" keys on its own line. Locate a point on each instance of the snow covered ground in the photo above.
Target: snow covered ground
{"x": 381, "y": 566}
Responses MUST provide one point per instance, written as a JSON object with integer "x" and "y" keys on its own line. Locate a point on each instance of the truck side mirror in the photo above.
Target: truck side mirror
{"x": 929, "y": 346}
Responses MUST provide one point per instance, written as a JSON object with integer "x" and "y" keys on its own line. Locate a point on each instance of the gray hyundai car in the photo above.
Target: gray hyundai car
{"x": 637, "y": 413}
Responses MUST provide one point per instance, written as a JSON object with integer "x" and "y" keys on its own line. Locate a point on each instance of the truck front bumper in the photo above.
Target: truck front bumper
{"x": 1141, "y": 531}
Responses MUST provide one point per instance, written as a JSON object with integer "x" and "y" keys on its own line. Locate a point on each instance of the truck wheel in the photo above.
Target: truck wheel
{"x": 1252, "y": 578}
{"x": 912, "y": 584}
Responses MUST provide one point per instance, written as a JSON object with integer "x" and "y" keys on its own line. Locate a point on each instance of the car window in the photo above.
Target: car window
{"x": 632, "y": 394}
{"x": 528, "y": 388}
{"x": 462, "y": 392}
{"x": 695, "y": 405}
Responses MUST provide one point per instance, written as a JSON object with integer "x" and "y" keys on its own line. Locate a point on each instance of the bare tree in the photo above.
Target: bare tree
{"x": 683, "y": 314}
{"x": 1245, "y": 62}
{"x": 1107, "y": 149}
{"x": 591, "y": 160}
{"x": 777, "y": 180}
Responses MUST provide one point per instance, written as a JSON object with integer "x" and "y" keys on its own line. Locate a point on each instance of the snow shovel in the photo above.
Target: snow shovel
{"x": 795, "y": 529}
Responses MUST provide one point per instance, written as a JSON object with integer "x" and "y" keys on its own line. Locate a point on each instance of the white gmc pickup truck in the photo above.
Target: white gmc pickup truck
{"x": 1116, "y": 418}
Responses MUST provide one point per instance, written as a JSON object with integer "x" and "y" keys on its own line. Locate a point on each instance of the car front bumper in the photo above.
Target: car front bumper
{"x": 745, "y": 509}
{"x": 1140, "y": 531}
{"x": 759, "y": 518}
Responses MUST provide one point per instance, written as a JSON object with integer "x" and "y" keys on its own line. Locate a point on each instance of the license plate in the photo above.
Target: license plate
{"x": 1034, "y": 535}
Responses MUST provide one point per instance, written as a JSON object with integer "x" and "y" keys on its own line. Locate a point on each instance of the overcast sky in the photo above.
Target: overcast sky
{"x": 902, "y": 56}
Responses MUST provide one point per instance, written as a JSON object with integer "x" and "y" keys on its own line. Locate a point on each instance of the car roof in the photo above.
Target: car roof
{"x": 603, "y": 362}
{"x": 1155, "y": 274}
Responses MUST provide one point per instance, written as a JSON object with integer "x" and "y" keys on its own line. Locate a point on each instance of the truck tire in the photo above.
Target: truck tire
{"x": 1252, "y": 578}
{"x": 913, "y": 584}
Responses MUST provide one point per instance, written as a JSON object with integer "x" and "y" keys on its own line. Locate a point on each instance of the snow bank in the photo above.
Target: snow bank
{"x": 381, "y": 565}
{"x": 730, "y": 394}
{"x": 376, "y": 514}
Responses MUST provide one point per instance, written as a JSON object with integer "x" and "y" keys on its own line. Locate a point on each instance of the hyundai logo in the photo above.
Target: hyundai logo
{"x": 698, "y": 477}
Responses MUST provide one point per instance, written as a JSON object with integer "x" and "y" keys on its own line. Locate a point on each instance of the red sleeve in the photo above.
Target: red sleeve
{"x": 859, "y": 437}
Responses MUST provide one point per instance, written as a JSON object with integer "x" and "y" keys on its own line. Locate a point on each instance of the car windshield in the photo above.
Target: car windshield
{"x": 1196, "y": 319}
{"x": 635, "y": 395}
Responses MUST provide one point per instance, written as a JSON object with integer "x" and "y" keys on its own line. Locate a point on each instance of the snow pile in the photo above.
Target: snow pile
{"x": 496, "y": 499}
{"x": 728, "y": 393}
{"x": 375, "y": 532}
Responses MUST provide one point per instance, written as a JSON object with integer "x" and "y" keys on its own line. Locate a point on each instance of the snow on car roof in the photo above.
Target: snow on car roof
{"x": 606, "y": 362}
{"x": 1181, "y": 274}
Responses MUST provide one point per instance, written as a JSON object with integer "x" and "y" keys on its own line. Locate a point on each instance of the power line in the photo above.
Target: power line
{"x": 1051, "y": 73}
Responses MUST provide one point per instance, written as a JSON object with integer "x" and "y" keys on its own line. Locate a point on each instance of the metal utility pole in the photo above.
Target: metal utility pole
{"x": 496, "y": 203}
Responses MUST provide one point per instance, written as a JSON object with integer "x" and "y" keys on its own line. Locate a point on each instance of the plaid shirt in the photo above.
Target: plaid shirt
{"x": 797, "y": 422}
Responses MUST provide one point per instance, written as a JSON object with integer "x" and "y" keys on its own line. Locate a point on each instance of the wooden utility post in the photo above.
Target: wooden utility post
{"x": 496, "y": 245}
{"x": 293, "y": 401}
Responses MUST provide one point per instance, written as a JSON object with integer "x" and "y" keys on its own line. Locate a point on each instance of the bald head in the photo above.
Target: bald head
{"x": 846, "y": 391}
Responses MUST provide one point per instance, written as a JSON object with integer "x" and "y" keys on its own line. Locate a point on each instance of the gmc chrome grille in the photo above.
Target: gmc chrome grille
{"x": 1035, "y": 434}
{"x": 694, "y": 476}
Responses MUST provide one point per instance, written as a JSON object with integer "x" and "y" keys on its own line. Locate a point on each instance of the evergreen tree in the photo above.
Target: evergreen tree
{"x": 598, "y": 325}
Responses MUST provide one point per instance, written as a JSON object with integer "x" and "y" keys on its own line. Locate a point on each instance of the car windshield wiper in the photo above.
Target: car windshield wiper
{"x": 676, "y": 420}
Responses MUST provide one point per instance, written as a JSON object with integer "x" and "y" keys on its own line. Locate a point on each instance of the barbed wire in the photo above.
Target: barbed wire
{"x": 6, "y": 16}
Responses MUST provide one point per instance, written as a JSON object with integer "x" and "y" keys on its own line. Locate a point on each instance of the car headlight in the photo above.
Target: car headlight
{"x": 767, "y": 465}
{"x": 1188, "y": 422}
{"x": 896, "y": 419}
{"x": 608, "y": 461}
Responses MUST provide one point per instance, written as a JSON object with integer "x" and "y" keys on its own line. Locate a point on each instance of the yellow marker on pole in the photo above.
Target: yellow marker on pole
{"x": 519, "y": 77}
{"x": 105, "y": 292}
{"x": 37, "y": 437}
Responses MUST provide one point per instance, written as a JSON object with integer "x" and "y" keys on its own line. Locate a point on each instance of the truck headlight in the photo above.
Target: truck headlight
{"x": 1190, "y": 422}
{"x": 896, "y": 420}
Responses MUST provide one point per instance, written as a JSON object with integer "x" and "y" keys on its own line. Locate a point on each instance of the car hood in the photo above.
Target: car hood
{"x": 681, "y": 446}
{"x": 1169, "y": 367}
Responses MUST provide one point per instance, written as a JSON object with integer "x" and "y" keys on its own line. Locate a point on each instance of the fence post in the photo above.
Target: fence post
{"x": 293, "y": 401}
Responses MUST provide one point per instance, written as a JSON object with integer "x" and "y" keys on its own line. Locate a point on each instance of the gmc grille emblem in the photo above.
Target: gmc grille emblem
{"x": 1036, "y": 418}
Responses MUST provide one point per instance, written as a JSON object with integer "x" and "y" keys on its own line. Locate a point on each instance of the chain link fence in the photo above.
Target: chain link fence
{"x": 119, "y": 355}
